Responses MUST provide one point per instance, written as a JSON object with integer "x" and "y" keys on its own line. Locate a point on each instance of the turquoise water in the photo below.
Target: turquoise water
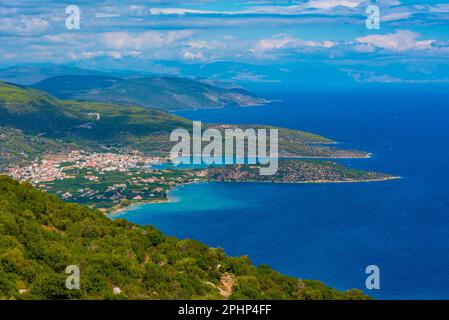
{"x": 331, "y": 232}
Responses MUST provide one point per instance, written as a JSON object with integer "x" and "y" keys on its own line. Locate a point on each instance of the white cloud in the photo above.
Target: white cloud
{"x": 401, "y": 40}
{"x": 137, "y": 9}
{"x": 24, "y": 25}
{"x": 286, "y": 41}
{"x": 219, "y": 38}
{"x": 209, "y": 45}
{"x": 364, "y": 47}
{"x": 190, "y": 55}
{"x": 440, "y": 8}
{"x": 330, "y": 4}
{"x": 396, "y": 16}
{"x": 143, "y": 40}
{"x": 197, "y": 48}
{"x": 272, "y": 44}
{"x": 101, "y": 15}
{"x": 264, "y": 9}
{"x": 62, "y": 38}
{"x": 179, "y": 11}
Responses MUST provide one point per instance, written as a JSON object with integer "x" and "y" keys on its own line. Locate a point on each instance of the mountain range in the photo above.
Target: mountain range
{"x": 163, "y": 93}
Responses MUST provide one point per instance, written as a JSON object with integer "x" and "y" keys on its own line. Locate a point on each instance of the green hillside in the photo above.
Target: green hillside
{"x": 163, "y": 93}
{"x": 38, "y": 115}
{"x": 34, "y": 110}
{"x": 40, "y": 236}
{"x": 37, "y": 112}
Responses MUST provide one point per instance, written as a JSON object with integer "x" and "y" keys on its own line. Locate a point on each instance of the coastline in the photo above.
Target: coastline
{"x": 260, "y": 104}
{"x": 168, "y": 200}
{"x": 137, "y": 203}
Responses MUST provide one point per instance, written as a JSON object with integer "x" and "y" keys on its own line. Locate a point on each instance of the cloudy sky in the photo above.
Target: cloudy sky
{"x": 412, "y": 44}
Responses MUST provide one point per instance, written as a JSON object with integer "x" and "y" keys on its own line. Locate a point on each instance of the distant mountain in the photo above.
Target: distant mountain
{"x": 254, "y": 76}
{"x": 69, "y": 86}
{"x": 164, "y": 93}
{"x": 27, "y": 75}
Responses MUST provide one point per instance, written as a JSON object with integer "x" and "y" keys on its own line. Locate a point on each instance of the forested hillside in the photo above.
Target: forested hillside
{"x": 40, "y": 236}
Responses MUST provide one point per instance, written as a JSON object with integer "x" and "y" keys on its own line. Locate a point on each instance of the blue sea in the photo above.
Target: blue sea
{"x": 332, "y": 232}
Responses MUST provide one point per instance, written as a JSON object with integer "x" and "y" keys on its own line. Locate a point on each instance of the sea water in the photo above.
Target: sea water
{"x": 332, "y": 232}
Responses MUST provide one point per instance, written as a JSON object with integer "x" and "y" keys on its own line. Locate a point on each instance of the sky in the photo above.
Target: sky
{"x": 411, "y": 44}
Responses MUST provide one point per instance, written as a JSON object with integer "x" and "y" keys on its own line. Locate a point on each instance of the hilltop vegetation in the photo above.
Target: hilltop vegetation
{"x": 163, "y": 93}
{"x": 39, "y": 117}
{"x": 15, "y": 146}
{"x": 40, "y": 236}
{"x": 34, "y": 111}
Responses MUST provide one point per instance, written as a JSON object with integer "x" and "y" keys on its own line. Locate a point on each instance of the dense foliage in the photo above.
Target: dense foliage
{"x": 40, "y": 236}
{"x": 36, "y": 112}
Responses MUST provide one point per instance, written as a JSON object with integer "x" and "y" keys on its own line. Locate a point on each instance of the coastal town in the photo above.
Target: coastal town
{"x": 55, "y": 167}
{"x": 113, "y": 181}
{"x": 102, "y": 180}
